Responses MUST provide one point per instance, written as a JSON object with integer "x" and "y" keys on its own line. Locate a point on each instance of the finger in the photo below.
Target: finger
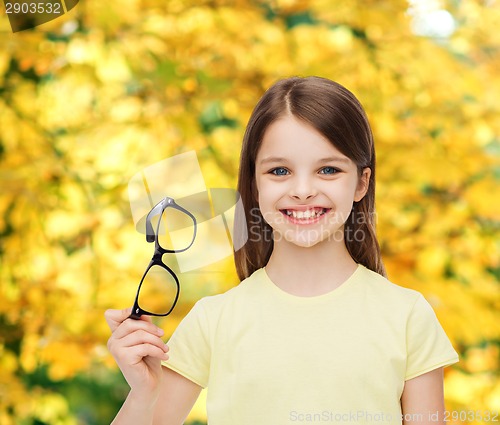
{"x": 138, "y": 352}
{"x": 142, "y": 337}
{"x": 131, "y": 325}
{"x": 127, "y": 353}
{"x": 115, "y": 317}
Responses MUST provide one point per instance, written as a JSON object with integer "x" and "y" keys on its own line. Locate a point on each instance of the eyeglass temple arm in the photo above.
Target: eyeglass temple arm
{"x": 157, "y": 209}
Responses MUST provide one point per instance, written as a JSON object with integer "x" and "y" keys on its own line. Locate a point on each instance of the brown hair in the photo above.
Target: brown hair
{"x": 336, "y": 113}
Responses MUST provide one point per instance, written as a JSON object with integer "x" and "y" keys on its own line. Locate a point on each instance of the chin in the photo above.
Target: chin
{"x": 304, "y": 241}
{"x": 308, "y": 239}
{"x": 305, "y": 244}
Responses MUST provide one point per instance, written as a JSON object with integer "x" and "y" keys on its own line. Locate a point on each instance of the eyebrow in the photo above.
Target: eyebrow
{"x": 342, "y": 159}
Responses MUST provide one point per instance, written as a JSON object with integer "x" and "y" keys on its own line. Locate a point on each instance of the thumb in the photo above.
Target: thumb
{"x": 115, "y": 318}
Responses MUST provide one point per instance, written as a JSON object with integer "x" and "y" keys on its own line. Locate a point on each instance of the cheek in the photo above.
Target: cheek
{"x": 267, "y": 191}
{"x": 266, "y": 199}
{"x": 259, "y": 189}
{"x": 342, "y": 195}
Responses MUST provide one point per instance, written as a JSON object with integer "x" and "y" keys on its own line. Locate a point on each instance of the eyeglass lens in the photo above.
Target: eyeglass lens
{"x": 158, "y": 291}
{"x": 176, "y": 231}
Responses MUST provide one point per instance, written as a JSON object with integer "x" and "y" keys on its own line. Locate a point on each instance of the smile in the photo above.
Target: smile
{"x": 305, "y": 217}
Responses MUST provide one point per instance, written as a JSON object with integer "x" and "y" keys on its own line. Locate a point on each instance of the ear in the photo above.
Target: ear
{"x": 363, "y": 184}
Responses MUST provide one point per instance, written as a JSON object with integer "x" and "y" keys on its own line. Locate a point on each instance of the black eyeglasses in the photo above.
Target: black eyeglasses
{"x": 159, "y": 288}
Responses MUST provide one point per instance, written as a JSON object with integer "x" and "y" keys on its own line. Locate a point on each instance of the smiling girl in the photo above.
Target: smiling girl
{"x": 314, "y": 331}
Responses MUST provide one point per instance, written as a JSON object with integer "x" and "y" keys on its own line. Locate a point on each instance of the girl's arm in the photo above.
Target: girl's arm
{"x": 422, "y": 401}
{"x": 176, "y": 398}
{"x": 157, "y": 395}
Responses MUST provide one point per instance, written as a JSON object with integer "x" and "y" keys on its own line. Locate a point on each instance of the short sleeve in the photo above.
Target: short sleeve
{"x": 189, "y": 348}
{"x": 428, "y": 347}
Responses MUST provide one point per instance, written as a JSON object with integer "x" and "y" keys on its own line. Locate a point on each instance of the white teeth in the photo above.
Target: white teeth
{"x": 304, "y": 214}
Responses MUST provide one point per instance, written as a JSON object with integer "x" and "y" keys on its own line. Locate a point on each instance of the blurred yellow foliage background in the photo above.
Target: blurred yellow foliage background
{"x": 91, "y": 98}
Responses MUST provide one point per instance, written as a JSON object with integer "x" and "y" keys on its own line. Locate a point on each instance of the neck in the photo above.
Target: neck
{"x": 310, "y": 271}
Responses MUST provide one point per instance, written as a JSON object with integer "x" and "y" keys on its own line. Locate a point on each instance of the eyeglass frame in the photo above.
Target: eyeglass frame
{"x": 156, "y": 260}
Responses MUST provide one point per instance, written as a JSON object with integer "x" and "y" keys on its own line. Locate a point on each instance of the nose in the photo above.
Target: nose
{"x": 302, "y": 188}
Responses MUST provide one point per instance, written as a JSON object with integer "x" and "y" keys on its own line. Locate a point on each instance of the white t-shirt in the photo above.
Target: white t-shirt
{"x": 271, "y": 358}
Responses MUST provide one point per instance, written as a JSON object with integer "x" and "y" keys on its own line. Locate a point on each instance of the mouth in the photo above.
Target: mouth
{"x": 305, "y": 217}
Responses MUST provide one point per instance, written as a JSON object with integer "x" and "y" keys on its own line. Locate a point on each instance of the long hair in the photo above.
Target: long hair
{"x": 335, "y": 113}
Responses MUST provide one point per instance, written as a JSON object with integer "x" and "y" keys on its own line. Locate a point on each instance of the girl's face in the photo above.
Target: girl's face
{"x": 306, "y": 187}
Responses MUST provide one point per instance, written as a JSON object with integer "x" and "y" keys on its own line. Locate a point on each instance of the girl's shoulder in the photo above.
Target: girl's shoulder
{"x": 384, "y": 289}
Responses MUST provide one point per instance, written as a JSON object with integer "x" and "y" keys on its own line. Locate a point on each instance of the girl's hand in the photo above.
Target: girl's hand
{"x": 138, "y": 350}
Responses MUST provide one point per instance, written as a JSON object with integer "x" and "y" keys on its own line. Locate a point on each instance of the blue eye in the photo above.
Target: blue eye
{"x": 329, "y": 170}
{"x": 280, "y": 171}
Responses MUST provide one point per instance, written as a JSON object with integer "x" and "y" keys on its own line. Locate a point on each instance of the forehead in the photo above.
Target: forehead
{"x": 292, "y": 140}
